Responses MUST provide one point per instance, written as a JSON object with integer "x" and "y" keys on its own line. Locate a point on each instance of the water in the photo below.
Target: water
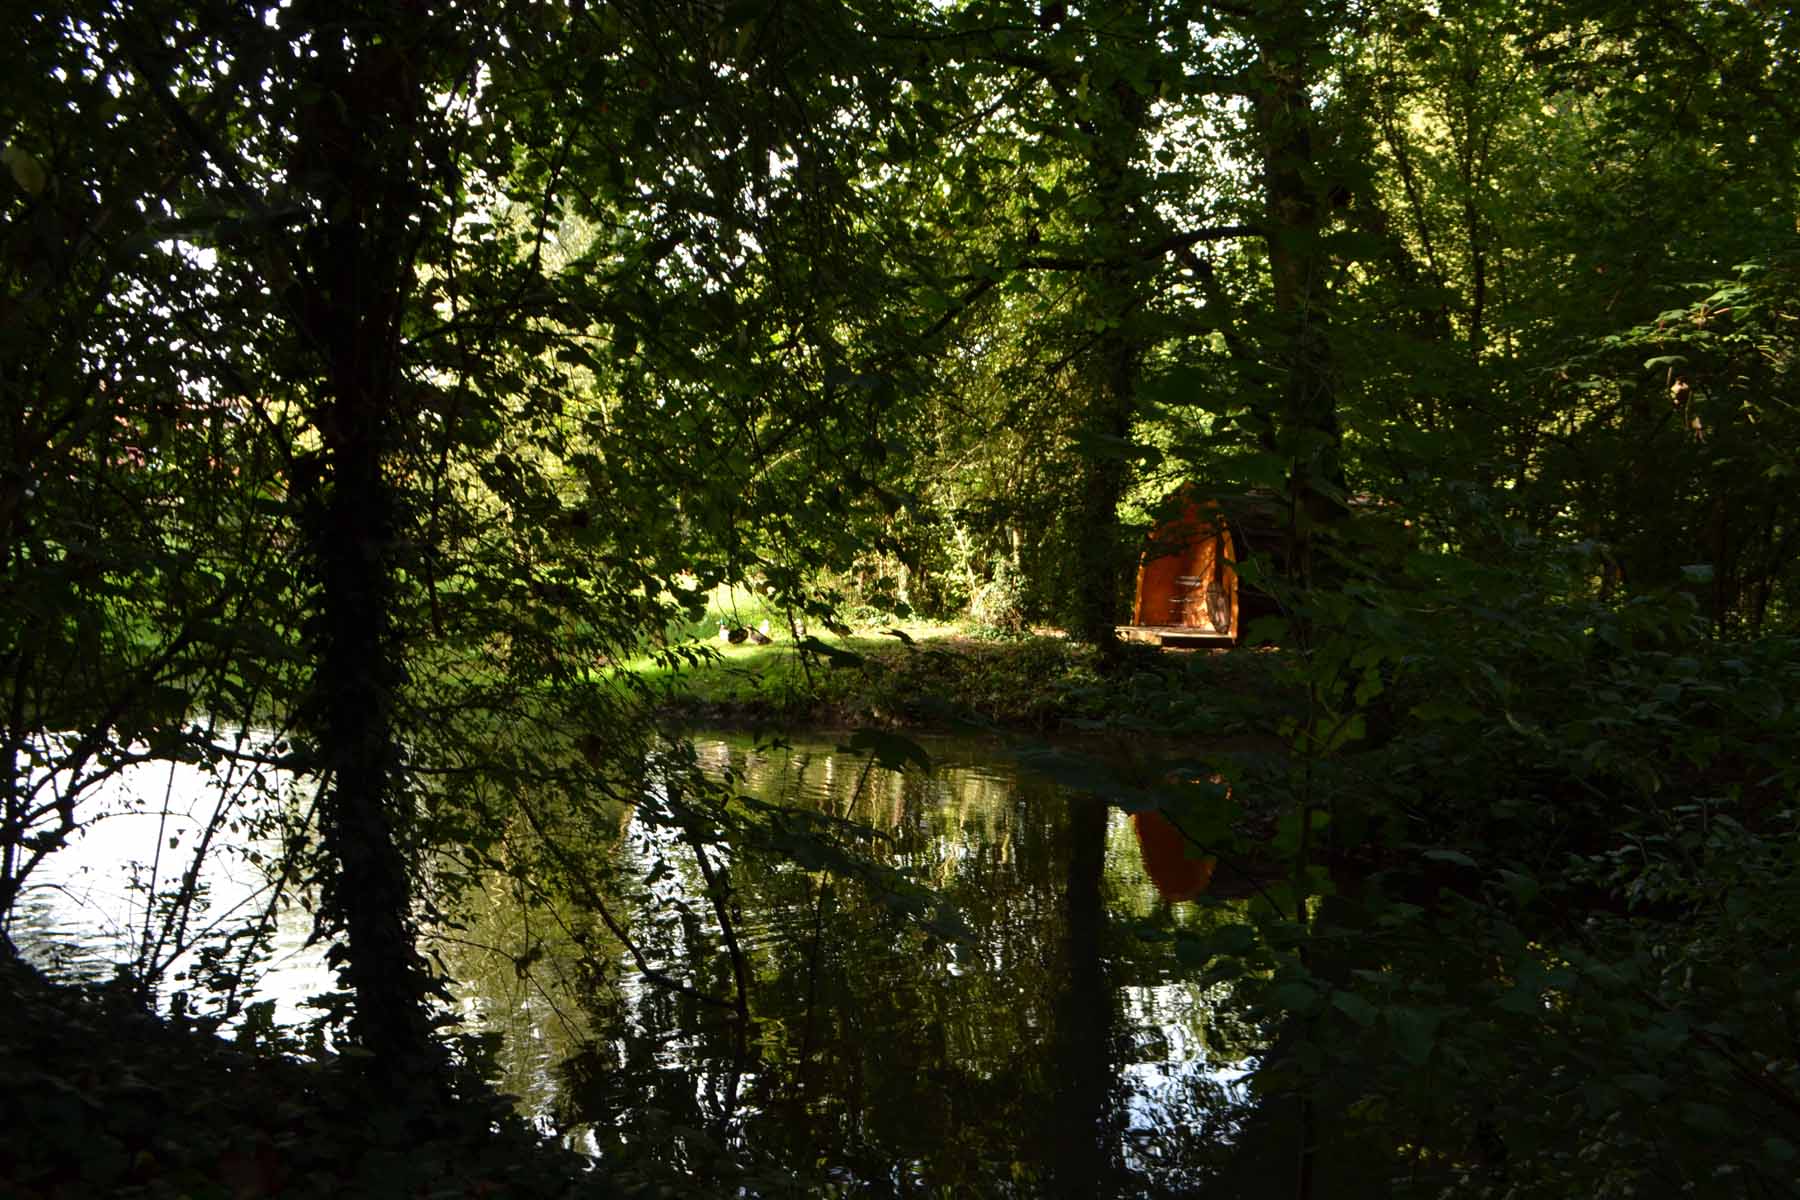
{"x": 1051, "y": 1050}
{"x": 102, "y": 902}
{"x": 1043, "y": 1048}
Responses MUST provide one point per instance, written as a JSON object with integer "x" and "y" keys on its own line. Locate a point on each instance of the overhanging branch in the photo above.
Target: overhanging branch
{"x": 1174, "y": 244}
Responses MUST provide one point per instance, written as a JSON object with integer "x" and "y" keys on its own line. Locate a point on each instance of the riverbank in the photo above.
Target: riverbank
{"x": 946, "y": 679}
{"x": 99, "y": 1098}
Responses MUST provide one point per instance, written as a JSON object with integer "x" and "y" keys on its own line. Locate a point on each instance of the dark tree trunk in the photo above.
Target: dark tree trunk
{"x": 1296, "y": 204}
{"x": 355, "y": 274}
{"x": 1098, "y": 548}
{"x": 1109, "y": 368}
{"x": 352, "y": 701}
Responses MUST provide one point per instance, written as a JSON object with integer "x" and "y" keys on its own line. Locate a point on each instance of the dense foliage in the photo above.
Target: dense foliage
{"x": 383, "y": 377}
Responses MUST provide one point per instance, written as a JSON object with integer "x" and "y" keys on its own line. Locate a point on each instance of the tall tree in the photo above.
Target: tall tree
{"x": 506, "y": 443}
{"x": 362, "y": 80}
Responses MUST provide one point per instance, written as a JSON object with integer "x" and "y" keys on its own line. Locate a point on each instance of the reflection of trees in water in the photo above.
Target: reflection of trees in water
{"x": 519, "y": 977}
{"x": 896, "y": 1060}
{"x": 1080, "y": 1148}
{"x": 1025, "y": 1058}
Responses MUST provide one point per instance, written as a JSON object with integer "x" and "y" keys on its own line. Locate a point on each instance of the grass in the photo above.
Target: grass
{"x": 945, "y": 675}
{"x": 776, "y": 678}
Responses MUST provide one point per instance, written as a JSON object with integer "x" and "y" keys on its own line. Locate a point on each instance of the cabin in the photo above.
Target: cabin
{"x": 1187, "y": 592}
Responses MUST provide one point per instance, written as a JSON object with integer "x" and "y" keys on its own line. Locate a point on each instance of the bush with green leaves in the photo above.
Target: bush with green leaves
{"x": 1539, "y": 897}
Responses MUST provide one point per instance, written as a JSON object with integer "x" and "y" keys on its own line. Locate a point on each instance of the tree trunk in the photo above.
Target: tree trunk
{"x": 353, "y": 154}
{"x": 1306, "y": 417}
{"x": 1111, "y": 384}
{"x": 1113, "y": 295}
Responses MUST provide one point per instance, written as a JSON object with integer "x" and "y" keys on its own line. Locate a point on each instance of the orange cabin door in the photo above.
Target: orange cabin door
{"x": 1185, "y": 577}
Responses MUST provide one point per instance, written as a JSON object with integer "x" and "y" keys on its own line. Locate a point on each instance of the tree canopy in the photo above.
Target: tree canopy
{"x": 383, "y": 377}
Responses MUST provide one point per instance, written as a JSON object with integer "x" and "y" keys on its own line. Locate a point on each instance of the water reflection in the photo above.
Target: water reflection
{"x": 1164, "y": 850}
{"x": 1050, "y": 1051}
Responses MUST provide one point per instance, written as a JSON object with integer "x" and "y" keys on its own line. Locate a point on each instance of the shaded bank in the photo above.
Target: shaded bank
{"x": 98, "y": 1098}
{"x": 1038, "y": 683}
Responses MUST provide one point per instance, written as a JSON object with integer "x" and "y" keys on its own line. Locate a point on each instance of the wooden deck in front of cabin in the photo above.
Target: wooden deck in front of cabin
{"x": 1180, "y": 636}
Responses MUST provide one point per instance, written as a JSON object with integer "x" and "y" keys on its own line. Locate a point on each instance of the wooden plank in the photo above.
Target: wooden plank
{"x": 1171, "y": 635}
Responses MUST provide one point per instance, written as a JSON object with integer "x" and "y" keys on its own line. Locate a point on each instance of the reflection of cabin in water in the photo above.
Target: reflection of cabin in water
{"x": 1187, "y": 592}
{"x": 1175, "y": 873}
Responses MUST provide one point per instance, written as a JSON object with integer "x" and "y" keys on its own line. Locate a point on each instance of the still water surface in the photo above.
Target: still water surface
{"x": 1050, "y": 1049}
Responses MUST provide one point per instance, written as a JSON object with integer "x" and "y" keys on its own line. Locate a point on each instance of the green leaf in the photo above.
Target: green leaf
{"x": 1524, "y": 888}
{"x": 1414, "y": 1032}
{"x": 1346, "y": 732}
{"x": 1759, "y": 700}
{"x": 1192, "y": 951}
{"x": 27, "y": 172}
{"x": 1445, "y": 708}
{"x": 1354, "y": 1007}
{"x": 1072, "y": 769}
{"x": 1231, "y": 939}
{"x": 1600, "y": 1098}
{"x": 1708, "y": 1119}
{"x": 1266, "y": 631}
{"x": 1104, "y": 447}
{"x": 1294, "y": 996}
{"x": 1224, "y": 970}
{"x": 1449, "y": 856}
{"x": 1180, "y": 386}
{"x": 1266, "y": 471}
